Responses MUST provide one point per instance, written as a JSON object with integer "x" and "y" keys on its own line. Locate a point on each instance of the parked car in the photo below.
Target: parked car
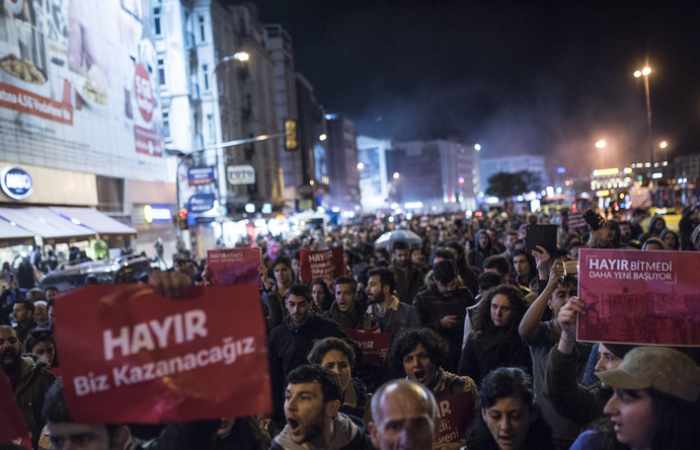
{"x": 125, "y": 269}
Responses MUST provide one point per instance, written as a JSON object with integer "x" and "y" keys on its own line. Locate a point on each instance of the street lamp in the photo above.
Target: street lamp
{"x": 644, "y": 72}
{"x": 360, "y": 166}
{"x": 241, "y": 56}
{"x": 323, "y": 137}
{"x": 600, "y": 144}
{"x": 663, "y": 145}
{"x": 477, "y": 147}
{"x": 396, "y": 176}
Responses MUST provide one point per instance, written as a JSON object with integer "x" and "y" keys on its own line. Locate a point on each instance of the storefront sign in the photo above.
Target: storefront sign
{"x": 16, "y": 183}
{"x": 324, "y": 264}
{"x": 240, "y": 174}
{"x": 234, "y": 266}
{"x": 638, "y": 297}
{"x": 200, "y": 203}
{"x": 198, "y": 176}
{"x": 157, "y": 214}
{"x": 154, "y": 359}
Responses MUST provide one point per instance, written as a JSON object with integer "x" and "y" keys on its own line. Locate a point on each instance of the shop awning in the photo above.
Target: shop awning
{"x": 45, "y": 223}
{"x": 11, "y": 233}
{"x": 98, "y": 222}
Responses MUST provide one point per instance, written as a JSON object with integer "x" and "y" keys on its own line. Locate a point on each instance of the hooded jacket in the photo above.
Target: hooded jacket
{"x": 346, "y": 436}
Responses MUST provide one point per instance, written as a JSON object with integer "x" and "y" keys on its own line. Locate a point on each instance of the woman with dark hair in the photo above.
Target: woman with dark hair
{"x": 670, "y": 239}
{"x": 510, "y": 419}
{"x": 494, "y": 341}
{"x": 655, "y": 405}
{"x": 338, "y": 356}
{"x": 321, "y": 296}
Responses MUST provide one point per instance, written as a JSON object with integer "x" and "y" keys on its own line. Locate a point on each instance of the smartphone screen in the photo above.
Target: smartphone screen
{"x": 542, "y": 235}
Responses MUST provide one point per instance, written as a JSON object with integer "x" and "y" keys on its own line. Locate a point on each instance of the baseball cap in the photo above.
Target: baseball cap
{"x": 663, "y": 369}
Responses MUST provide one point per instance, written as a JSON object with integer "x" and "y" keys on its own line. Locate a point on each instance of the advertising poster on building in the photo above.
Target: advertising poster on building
{"x": 234, "y": 266}
{"x": 324, "y": 264}
{"x": 637, "y": 297}
{"x": 77, "y": 78}
{"x": 154, "y": 359}
{"x": 455, "y": 415}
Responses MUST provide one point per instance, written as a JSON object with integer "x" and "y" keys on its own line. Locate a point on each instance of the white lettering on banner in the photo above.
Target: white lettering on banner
{"x": 627, "y": 265}
{"x": 174, "y": 329}
{"x": 126, "y": 375}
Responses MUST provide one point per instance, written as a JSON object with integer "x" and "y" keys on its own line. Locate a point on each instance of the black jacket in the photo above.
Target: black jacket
{"x": 288, "y": 348}
{"x": 539, "y": 436}
{"x": 432, "y": 305}
{"x": 485, "y": 352}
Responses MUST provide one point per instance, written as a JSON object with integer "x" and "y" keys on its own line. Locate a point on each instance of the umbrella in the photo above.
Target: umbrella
{"x": 387, "y": 239}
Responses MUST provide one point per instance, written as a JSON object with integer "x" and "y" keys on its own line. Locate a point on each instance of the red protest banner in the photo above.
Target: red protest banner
{"x": 13, "y": 428}
{"x": 234, "y": 266}
{"x": 154, "y": 359}
{"x": 325, "y": 264}
{"x": 373, "y": 344}
{"x": 637, "y": 297}
{"x": 455, "y": 415}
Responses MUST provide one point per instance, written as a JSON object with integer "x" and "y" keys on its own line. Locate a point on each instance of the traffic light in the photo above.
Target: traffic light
{"x": 182, "y": 219}
{"x": 291, "y": 139}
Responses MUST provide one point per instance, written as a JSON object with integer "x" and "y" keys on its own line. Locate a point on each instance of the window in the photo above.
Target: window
{"x": 205, "y": 76}
{"x": 166, "y": 123}
{"x": 202, "y": 31}
{"x": 156, "y": 21}
{"x": 161, "y": 71}
{"x": 210, "y": 128}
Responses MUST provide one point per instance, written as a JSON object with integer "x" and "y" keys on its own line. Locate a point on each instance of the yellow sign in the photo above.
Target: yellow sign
{"x": 606, "y": 172}
{"x": 291, "y": 142}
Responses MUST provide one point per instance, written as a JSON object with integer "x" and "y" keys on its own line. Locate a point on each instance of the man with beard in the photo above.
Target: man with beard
{"x": 419, "y": 355}
{"x": 403, "y": 416}
{"x": 23, "y": 311}
{"x": 384, "y": 309}
{"x": 274, "y": 301}
{"x": 408, "y": 278}
{"x": 292, "y": 340}
{"x": 312, "y": 401}
{"x": 346, "y": 310}
{"x": 28, "y": 380}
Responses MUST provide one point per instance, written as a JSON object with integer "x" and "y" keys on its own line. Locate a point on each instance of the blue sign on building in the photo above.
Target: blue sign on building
{"x": 200, "y": 203}
{"x": 16, "y": 183}
{"x": 198, "y": 176}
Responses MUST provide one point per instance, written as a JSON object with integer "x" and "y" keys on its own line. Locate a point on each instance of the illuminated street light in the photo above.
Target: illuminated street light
{"x": 477, "y": 147}
{"x": 242, "y": 56}
{"x": 663, "y": 145}
{"x": 639, "y": 73}
{"x": 360, "y": 166}
{"x": 600, "y": 144}
{"x": 396, "y": 176}
{"x": 323, "y": 137}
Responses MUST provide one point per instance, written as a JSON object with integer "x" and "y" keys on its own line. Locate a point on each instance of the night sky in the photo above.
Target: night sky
{"x": 518, "y": 79}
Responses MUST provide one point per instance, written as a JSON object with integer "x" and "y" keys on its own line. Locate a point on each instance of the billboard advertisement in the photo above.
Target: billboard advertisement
{"x": 78, "y": 78}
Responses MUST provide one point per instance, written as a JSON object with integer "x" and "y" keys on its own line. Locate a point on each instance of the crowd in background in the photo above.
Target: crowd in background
{"x": 469, "y": 312}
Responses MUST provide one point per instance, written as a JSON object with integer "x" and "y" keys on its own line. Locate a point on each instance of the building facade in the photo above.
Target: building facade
{"x": 279, "y": 45}
{"x": 314, "y": 176}
{"x": 91, "y": 136}
{"x": 342, "y": 162}
{"x": 372, "y": 167}
{"x": 434, "y": 174}
{"x": 511, "y": 164}
{"x": 216, "y": 80}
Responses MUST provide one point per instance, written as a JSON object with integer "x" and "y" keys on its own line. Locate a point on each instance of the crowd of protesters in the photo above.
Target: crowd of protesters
{"x": 467, "y": 311}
